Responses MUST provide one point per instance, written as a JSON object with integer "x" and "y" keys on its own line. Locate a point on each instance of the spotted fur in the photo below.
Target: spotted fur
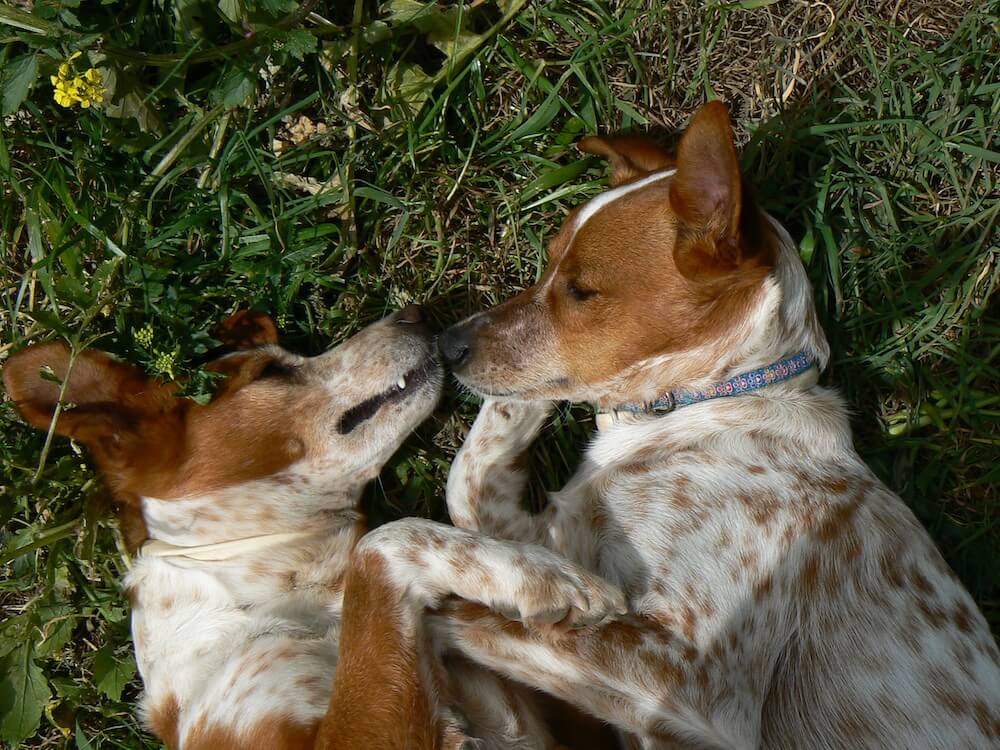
{"x": 321, "y": 641}
{"x": 780, "y": 596}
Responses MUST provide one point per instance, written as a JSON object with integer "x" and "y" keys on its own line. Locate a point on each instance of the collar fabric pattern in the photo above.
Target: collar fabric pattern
{"x": 747, "y": 382}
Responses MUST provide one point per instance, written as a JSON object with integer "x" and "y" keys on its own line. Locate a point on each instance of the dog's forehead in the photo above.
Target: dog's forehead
{"x": 626, "y": 237}
{"x": 592, "y": 207}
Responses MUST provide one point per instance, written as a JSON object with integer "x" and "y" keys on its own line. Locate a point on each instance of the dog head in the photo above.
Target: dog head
{"x": 337, "y": 415}
{"x": 666, "y": 279}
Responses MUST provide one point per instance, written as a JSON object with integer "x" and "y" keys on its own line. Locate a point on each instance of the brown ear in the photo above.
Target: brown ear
{"x": 242, "y": 368}
{"x": 103, "y": 402}
{"x": 706, "y": 191}
{"x": 719, "y": 229}
{"x": 247, "y": 329}
{"x": 631, "y": 156}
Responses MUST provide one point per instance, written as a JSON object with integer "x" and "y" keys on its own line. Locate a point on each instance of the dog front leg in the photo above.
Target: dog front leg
{"x": 429, "y": 562}
{"x": 487, "y": 479}
{"x": 388, "y": 690}
{"x": 634, "y": 673}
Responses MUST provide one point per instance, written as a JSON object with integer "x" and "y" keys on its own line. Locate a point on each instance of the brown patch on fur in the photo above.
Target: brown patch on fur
{"x": 810, "y": 574}
{"x": 680, "y": 499}
{"x": 961, "y": 616}
{"x": 312, "y": 682}
{"x": 988, "y": 723}
{"x": 163, "y": 720}
{"x": 725, "y": 539}
{"x": 920, "y": 582}
{"x": 835, "y": 486}
{"x": 839, "y": 520}
{"x": 763, "y": 588}
{"x": 932, "y": 613}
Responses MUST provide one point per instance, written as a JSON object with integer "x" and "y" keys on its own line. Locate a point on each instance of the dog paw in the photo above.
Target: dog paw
{"x": 570, "y": 597}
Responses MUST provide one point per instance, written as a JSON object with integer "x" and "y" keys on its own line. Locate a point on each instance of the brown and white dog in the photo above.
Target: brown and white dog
{"x": 254, "y": 583}
{"x": 780, "y": 595}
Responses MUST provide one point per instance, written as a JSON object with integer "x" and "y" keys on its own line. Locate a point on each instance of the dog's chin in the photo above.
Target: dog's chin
{"x": 553, "y": 390}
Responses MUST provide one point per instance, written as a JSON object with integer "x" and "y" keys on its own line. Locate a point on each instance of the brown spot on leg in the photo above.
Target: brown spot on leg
{"x": 163, "y": 719}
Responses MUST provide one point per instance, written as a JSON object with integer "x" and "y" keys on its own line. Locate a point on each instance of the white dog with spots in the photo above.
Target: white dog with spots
{"x": 780, "y": 595}
{"x": 254, "y": 585}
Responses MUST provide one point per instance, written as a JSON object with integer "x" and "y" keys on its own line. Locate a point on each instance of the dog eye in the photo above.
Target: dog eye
{"x": 579, "y": 293}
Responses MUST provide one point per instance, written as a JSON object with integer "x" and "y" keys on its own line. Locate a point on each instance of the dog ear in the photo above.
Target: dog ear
{"x": 719, "y": 228}
{"x": 243, "y": 368}
{"x": 706, "y": 191}
{"x": 104, "y": 400}
{"x": 631, "y": 156}
{"x": 240, "y": 357}
{"x": 247, "y": 329}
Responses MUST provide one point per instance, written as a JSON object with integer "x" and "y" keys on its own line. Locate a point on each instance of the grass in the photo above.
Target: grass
{"x": 343, "y": 160}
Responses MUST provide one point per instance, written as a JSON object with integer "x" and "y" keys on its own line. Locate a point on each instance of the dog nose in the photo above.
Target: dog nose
{"x": 455, "y": 345}
{"x": 411, "y": 315}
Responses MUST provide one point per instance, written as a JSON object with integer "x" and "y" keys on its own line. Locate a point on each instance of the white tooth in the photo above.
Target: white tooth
{"x": 401, "y": 383}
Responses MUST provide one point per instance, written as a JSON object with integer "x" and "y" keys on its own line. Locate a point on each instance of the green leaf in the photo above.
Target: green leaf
{"x": 235, "y": 88}
{"x": 82, "y": 743}
{"x": 751, "y": 4}
{"x": 407, "y": 84}
{"x": 128, "y": 98}
{"x": 378, "y": 195}
{"x": 50, "y": 320}
{"x": 299, "y": 43}
{"x": 18, "y": 77}
{"x": 977, "y": 151}
{"x": 448, "y": 29}
{"x": 57, "y": 629}
{"x": 111, "y": 675}
{"x": 554, "y": 178}
{"x": 24, "y": 692}
{"x": 232, "y": 10}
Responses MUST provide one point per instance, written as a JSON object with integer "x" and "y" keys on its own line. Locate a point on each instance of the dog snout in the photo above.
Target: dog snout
{"x": 455, "y": 345}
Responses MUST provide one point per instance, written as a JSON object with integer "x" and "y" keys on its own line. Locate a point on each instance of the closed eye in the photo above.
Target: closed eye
{"x": 578, "y": 292}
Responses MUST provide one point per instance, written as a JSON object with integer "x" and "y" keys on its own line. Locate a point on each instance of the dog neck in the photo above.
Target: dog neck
{"x": 278, "y": 505}
{"x": 751, "y": 382}
{"x": 797, "y": 412}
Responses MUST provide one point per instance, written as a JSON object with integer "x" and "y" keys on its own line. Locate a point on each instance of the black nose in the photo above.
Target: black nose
{"x": 455, "y": 345}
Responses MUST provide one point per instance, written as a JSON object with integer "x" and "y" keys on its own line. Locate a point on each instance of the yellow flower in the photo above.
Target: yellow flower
{"x": 144, "y": 336}
{"x": 69, "y": 88}
{"x": 163, "y": 362}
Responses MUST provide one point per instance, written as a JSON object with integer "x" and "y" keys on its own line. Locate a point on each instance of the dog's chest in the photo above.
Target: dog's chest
{"x": 228, "y": 640}
{"x": 694, "y": 537}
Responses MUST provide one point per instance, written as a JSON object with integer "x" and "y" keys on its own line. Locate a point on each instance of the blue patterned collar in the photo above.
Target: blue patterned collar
{"x": 777, "y": 372}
